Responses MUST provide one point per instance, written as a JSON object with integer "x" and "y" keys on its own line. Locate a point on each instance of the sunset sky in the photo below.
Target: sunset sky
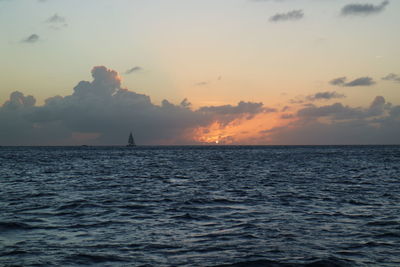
{"x": 251, "y": 71}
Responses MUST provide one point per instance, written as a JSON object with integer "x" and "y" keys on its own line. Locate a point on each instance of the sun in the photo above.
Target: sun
{"x": 243, "y": 130}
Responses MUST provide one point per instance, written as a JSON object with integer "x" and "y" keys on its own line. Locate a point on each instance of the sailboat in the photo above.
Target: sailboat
{"x": 131, "y": 141}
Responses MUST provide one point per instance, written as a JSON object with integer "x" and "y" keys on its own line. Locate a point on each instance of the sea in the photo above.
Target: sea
{"x": 200, "y": 206}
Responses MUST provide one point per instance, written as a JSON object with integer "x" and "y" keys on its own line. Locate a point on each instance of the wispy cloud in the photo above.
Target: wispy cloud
{"x": 363, "y": 9}
{"x": 134, "y": 69}
{"x": 362, "y": 81}
{"x": 57, "y": 22}
{"x": 242, "y": 107}
{"x": 289, "y": 16}
{"x": 201, "y": 83}
{"x": 392, "y": 77}
{"x": 56, "y": 19}
{"x": 33, "y": 38}
{"x": 325, "y": 96}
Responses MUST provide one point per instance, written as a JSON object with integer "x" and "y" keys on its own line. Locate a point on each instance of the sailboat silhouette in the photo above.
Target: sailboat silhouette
{"x": 131, "y": 141}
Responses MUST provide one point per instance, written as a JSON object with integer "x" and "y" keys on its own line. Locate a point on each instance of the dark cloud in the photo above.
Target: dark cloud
{"x": 18, "y": 100}
{"x": 227, "y": 113}
{"x": 325, "y": 96}
{"x": 33, "y": 38}
{"x": 392, "y": 77}
{"x": 338, "y": 124}
{"x": 287, "y": 116}
{"x": 316, "y": 97}
{"x": 242, "y": 107}
{"x": 134, "y": 69}
{"x": 289, "y": 16}
{"x": 338, "y": 81}
{"x": 104, "y": 111}
{"x": 363, "y": 9}
{"x": 338, "y": 111}
{"x": 362, "y": 81}
{"x": 377, "y": 107}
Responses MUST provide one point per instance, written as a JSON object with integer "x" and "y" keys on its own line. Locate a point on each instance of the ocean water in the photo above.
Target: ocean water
{"x": 200, "y": 206}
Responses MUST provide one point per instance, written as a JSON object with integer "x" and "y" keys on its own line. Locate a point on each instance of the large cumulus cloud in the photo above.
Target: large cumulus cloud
{"x": 102, "y": 112}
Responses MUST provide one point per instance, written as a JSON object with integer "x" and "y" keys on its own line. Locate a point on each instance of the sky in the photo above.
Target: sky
{"x": 259, "y": 72}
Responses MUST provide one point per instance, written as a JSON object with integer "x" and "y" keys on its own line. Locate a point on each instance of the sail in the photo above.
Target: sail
{"x": 131, "y": 141}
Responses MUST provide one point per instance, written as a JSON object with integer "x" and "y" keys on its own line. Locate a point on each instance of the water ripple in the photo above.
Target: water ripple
{"x": 200, "y": 206}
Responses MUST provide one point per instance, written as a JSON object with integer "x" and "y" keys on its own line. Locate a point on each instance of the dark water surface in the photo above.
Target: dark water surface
{"x": 200, "y": 206}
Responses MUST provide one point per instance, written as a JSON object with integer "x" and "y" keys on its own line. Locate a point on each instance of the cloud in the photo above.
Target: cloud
{"x": 227, "y": 113}
{"x": 289, "y": 16}
{"x": 201, "y": 83}
{"x": 57, "y": 22}
{"x": 338, "y": 111}
{"x": 242, "y": 107}
{"x": 104, "y": 111}
{"x": 363, "y": 9}
{"x": 287, "y": 116}
{"x": 392, "y": 77}
{"x": 325, "y": 96}
{"x": 362, "y": 81}
{"x": 338, "y": 124}
{"x": 267, "y": 0}
{"x": 56, "y": 19}
{"x": 18, "y": 100}
{"x": 134, "y": 69}
{"x": 338, "y": 81}
{"x": 316, "y": 97}
{"x": 33, "y": 38}
{"x": 205, "y": 83}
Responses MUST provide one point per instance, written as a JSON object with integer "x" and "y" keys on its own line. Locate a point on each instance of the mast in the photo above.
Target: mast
{"x": 131, "y": 141}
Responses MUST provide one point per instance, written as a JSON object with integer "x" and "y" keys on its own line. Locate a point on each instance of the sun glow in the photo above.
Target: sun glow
{"x": 240, "y": 131}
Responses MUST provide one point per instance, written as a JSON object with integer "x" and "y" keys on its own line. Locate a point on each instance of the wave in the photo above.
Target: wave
{"x": 330, "y": 262}
{"x": 383, "y": 223}
{"x": 7, "y": 226}
{"x": 84, "y": 258}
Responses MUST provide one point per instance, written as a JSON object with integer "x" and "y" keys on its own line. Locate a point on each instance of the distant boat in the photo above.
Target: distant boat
{"x": 131, "y": 141}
